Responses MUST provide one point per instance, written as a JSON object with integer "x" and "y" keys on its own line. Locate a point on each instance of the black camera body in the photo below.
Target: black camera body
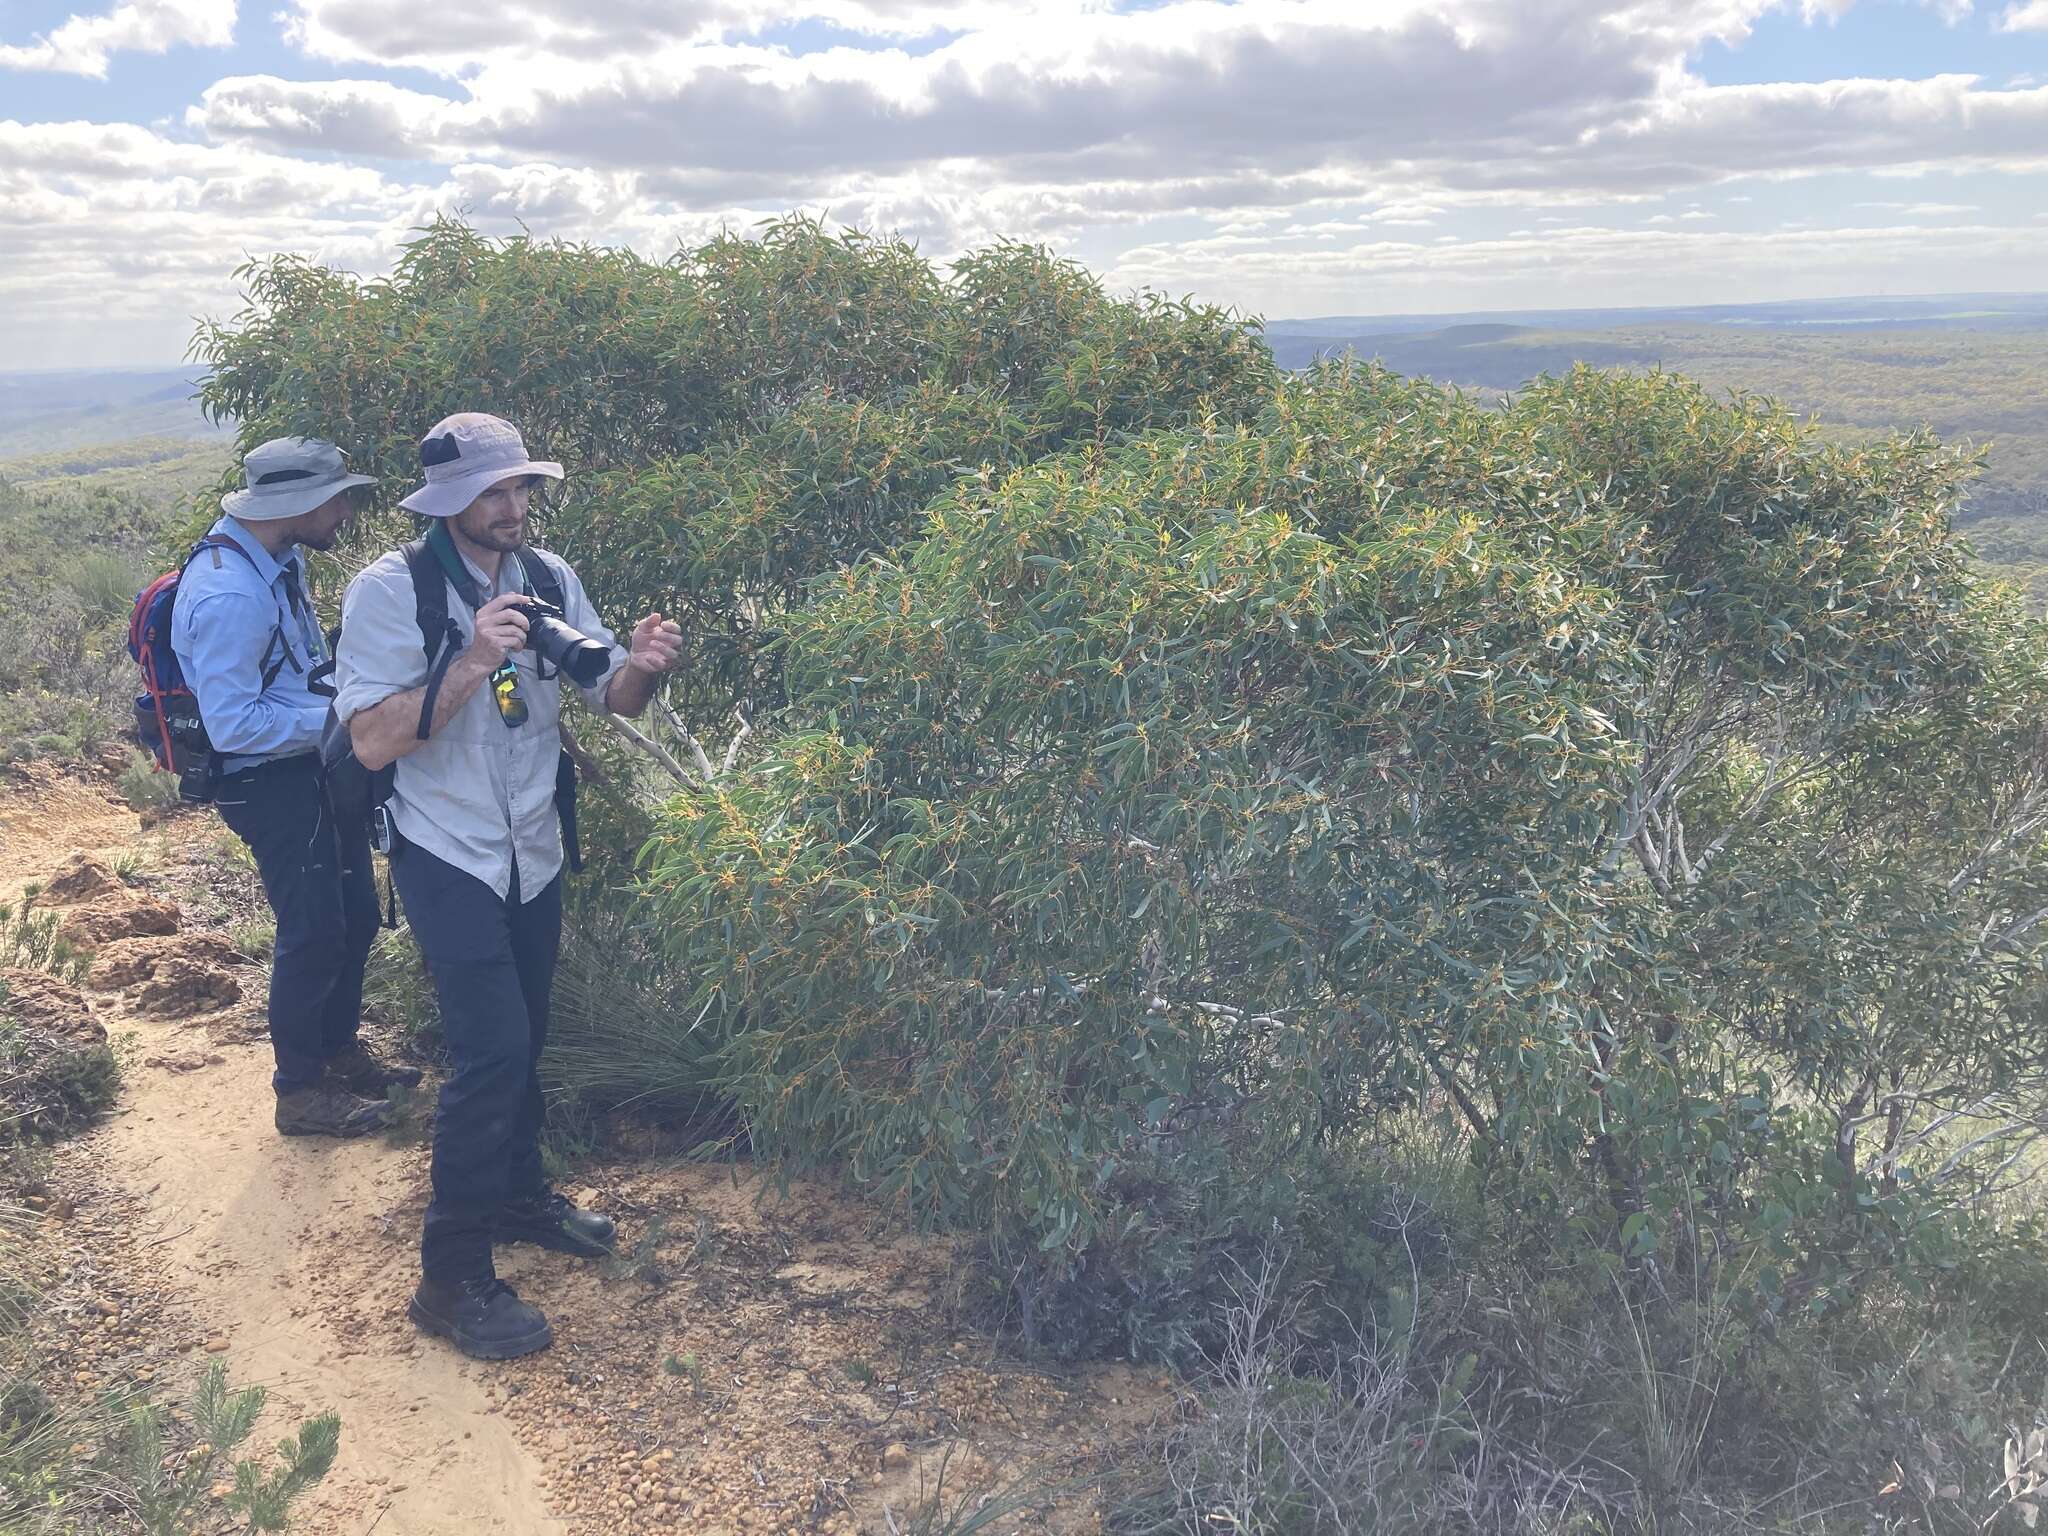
{"x": 550, "y": 637}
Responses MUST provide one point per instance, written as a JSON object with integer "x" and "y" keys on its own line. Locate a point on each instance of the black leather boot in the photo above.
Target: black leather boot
{"x": 552, "y": 1222}
{"x": 483, "y": 1318}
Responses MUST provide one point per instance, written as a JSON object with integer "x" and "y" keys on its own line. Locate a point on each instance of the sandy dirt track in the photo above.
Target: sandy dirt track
{"x": 748, "y": 1364}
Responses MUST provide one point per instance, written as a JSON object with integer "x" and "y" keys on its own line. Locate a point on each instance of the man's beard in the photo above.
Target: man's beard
{"x": 493, "y": 536}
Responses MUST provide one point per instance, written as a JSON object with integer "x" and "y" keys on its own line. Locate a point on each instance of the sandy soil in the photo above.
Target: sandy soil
{"x": 748, "y": 1363}
{"x": 46, "y": 814}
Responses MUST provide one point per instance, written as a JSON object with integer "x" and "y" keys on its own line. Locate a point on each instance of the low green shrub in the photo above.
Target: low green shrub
{"x": 38, "y": 724}
{"x": 29, "y": 940}
{"x": 144, "y": 786}
{"x": 618, "y": 1037}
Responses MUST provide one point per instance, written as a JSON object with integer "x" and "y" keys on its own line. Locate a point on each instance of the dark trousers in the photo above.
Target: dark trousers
{"x": 326, "y": 917}
{"x": 493, "y": 963}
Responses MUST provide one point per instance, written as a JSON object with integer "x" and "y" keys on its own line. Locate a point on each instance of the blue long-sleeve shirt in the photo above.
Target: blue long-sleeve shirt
{"x": 232, "y": 623}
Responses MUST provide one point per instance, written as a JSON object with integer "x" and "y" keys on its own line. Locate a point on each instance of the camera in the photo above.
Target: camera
{"x": 551, "y": 638}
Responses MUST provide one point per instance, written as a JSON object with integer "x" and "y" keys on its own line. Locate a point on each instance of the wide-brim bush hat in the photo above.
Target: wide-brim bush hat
{"x": 290, "y": 475}
{"x": 464, "y": 456}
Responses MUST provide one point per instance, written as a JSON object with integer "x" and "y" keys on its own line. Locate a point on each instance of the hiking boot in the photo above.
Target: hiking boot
{"x": 329, "y": 1110}
{"x": 360, "y": 1072}
{"x": 484, "y": 1318}
{"x": 552, "y": 1222}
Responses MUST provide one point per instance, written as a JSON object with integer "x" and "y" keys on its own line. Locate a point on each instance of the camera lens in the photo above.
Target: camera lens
{"x": 569, "y": 650}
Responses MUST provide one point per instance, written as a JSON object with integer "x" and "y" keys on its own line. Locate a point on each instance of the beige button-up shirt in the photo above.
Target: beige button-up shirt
{"x": 478, "y": 793}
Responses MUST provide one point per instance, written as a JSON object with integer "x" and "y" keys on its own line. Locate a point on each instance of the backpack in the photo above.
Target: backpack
{"x": 354, "y": 793}
{"x": 167, "y": 722}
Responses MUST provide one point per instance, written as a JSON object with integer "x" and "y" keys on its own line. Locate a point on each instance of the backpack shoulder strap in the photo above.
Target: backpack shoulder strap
{"x": 429, "y": 599}
{"x": 439, "y": 637}
{"x": 217, "y": 541}
{"x": 541, "y": 576}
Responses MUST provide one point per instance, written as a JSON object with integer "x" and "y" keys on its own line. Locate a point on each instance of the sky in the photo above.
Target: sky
{"x": 1286, "y": 157}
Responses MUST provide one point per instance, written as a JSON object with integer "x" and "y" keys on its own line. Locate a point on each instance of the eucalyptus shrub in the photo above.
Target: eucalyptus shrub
{"x": 735, "y": 419}
{"x": 1634, "y": 778}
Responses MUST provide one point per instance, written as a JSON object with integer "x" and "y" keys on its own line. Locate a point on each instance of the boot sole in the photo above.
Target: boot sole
{"x": 344, "y": 1132}
{"x": 574, "y": 1247}
{"x": 500, "y": 1349}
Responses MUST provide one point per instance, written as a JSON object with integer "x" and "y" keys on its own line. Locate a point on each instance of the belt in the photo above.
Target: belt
{"x": 296, "y": 760}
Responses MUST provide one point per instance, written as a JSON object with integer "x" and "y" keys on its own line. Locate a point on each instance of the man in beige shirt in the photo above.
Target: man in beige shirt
{"x": 471, "y": 721}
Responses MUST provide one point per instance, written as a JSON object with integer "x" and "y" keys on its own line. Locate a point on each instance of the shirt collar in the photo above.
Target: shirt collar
{"x": 268, "y": 566}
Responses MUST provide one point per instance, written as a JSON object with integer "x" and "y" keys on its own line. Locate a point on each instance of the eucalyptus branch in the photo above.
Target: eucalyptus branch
{"x": 732, "y": 748}
{"x": 683, "y": 732}
{"x": 651, "y": 747}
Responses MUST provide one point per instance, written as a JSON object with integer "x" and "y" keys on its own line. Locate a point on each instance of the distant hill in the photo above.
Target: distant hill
{"x": 1945, "y": 311}
{"x": 160, "y": 473}
{"x": 46, "y": 412}
{"x": 1972, "y": 367}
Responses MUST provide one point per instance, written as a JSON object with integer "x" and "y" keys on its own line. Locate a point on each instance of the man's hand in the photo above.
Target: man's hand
{"x": 656, "y": 644}
{"x": 500, "y": 630}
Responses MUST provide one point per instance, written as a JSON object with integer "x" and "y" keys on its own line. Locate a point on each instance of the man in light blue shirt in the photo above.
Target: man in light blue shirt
{"x": 248, "y": 641}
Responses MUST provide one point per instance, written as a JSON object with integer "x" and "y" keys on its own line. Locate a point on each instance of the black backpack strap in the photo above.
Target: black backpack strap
{"x": 280, "y": 647}
{"x": 545, "y": 584}
{"x": 565, "y": 807}
{"x": 440, "y": 638}
{"x": 541, "y": 577}
{"x": 321, "y": 679}
{"x": 430, "y": 600}
{"x": 217, "y": 541}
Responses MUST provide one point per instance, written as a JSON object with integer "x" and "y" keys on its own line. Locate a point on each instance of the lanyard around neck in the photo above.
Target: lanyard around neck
{"x": 442, "y": 543}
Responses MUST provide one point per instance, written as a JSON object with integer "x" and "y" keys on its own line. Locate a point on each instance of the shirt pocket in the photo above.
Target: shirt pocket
{"x": 543, "y": 696}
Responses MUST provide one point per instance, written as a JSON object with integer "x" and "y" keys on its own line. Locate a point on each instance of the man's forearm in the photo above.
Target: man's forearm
{"x": 630, "y": 689}
{"x": 385, "y": 732}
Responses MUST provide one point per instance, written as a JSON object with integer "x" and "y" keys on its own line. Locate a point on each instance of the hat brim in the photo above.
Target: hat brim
{"x": 288, "y": 501}
{"x": 445, "y": 498}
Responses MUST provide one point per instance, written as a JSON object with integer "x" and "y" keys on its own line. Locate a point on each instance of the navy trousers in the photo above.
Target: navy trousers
{"x": 326, "y": 917}
{"x": 493, "y": 963}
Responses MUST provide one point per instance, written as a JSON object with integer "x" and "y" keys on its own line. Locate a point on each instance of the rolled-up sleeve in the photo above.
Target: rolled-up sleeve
{"x": 577, "y": 609}
{"x": 380, "y": 654}
{"x": 230, "y": 637}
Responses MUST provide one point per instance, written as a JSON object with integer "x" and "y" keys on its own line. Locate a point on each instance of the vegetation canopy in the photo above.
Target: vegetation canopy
{"x": 1177, "y": 789}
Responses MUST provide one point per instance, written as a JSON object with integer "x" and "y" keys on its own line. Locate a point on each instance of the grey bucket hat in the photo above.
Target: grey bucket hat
{"x": 287, "y": 476}
{"x": 464, "y": 456}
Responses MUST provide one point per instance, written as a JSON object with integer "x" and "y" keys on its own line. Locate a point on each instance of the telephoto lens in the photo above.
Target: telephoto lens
{"x": 569, "y": 650}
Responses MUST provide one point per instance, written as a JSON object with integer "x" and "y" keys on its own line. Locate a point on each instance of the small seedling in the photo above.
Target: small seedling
{"x": 861, "y": 1371}
{"x": 689, "y": 1367}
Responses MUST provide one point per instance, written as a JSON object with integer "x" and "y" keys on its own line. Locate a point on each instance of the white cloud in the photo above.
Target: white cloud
{"x": 401, "y": 32}
{"x": 2031, "y": 16}
{"x": 1283, "y": 131}
{"x": 1438, "y": 104}
{"x": 364, "y": 117}
{"x": 82, "y": 45}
